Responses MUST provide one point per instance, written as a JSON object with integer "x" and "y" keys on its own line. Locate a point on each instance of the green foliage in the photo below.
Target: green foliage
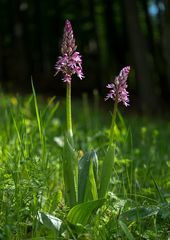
{"x": 126, "y": 230}
{"x": 32, "y": 193}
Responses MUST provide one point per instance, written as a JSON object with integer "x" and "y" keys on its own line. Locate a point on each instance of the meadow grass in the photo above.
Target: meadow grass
{"x": 32, "y": 200}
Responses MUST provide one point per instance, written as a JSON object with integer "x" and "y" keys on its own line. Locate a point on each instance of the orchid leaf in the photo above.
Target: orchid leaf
{"x": 49, "y": 221}
{"x": 87, "y": 177}
{"x": 81, "y": 213}
{"x": 106, "y": 170}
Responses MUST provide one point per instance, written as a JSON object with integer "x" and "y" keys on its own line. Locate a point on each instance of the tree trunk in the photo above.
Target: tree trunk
{"x": 102, "y": 43}
{"x": 143, "y": 67}
{"x": 1, "y": 56}
{"x": 166, "y": 40}
{"x": 17, "y": 63}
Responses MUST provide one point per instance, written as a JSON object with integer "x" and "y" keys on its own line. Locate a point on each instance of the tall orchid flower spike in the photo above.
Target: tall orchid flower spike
{"x": 118, "y": 88}
{"x": 118, "y": 93}
{"x": 70, "y": 62}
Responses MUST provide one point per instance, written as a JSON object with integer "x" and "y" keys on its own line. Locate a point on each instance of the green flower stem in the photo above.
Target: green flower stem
{"x": 69, "y": 157}
{"x": 113, "y": 121}
{"x": 68, "y": 111}
{"x": 109, "y": 157}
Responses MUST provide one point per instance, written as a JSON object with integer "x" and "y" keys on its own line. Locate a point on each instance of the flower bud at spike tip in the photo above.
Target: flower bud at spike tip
{"x": 118, "y": 87}
{"x": 68, "y": 45}
{"x": 70, "y": 62}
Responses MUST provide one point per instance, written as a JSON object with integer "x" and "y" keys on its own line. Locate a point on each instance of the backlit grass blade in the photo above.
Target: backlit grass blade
{"x": 95, "y": 166}
{"x": 81, "y": 213}
{"x": 162, "y": 198}
{"x": 69, "y": 172}
{"x": 106, "y": 170}
{"x": 37, "y": 113}
{"x": 16, "y": 128}
{"x": 50, "y": 110}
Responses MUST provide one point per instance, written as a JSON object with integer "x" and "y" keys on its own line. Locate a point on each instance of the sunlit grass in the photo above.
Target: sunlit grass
{"x": 31, "y": 178}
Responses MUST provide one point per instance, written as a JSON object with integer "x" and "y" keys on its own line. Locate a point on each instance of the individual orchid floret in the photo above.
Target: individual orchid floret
{"x": 118, "y": 88}
{"x": 70, "y": 62}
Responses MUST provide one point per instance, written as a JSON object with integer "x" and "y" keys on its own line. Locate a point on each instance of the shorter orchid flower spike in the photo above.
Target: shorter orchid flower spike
{"x": 118, "y": 88}
{"x": 70, "y": 62}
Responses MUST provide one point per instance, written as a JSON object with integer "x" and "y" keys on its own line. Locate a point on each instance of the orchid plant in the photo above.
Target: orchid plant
{"x": 82, "y": 181}
{"x": 118, "y": 93}
{"x": 69, "y": 63}
{"x": 85, "y": 187}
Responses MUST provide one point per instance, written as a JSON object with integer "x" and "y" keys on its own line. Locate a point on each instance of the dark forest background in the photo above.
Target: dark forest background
{"x": 110, "y": 34}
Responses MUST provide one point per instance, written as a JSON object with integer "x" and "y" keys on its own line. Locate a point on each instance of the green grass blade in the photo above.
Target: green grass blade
{"x": 81, "y": 213}
{"x": 162, "y": 198}
{"x": 126, "y": 230}
{"x": 50, "y": 110}
{"x": 16, "y": 128}
{"x": 106, "y": 171}
{"x": 37, "y": 113}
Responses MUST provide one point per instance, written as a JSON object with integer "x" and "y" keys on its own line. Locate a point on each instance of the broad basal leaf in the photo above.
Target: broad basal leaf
{"x": 138, "y": 213}
{"x": 81, "y": 213}
{"x": 49, "y": 221}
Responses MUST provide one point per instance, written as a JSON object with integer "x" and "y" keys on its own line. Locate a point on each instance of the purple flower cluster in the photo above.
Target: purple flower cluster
{"x": 118, "y": 87}
{"x": 70, "y": 62}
